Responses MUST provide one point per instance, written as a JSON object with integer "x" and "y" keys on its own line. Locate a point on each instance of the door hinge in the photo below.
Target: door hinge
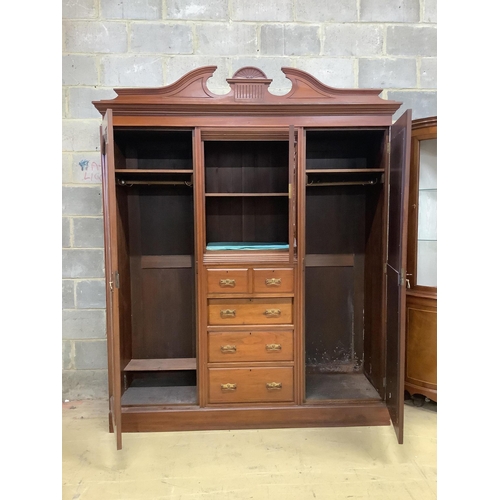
{"x": 116, "y": 282}
{"x": 384, "y": 382}
{"x": 402, "y": 278}
{"x": 290, "y": 191}
{"x": 385, "y": 267}
{"x": 388, "y": 147}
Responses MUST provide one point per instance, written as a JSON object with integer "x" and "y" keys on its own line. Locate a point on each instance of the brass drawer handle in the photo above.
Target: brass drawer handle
{"x": 228, "y": 348}
{"x": 273, "y": 282}
{"x": 228, "y": 387}
{"x": 274, "y": 386}
{"x": 227, "y": 282}
{"x": 273, "y": 347}
{"x": 272, "y": 313}
{"x": 228, "y": 313}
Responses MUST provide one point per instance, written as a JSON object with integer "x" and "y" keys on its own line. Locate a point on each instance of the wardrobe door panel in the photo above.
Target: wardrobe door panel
{"x": 111, "y": 253}
{"x": 396, "y": 268}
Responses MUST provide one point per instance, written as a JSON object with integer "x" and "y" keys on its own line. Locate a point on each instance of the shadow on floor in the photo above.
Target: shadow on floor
{"x": 419, "y": 401}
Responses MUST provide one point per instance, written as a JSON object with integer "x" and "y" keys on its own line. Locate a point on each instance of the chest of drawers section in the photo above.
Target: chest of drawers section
{"x": 250, "y": 328}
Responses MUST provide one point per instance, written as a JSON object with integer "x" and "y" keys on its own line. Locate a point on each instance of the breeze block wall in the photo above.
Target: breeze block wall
{"x": 387, "y": 44}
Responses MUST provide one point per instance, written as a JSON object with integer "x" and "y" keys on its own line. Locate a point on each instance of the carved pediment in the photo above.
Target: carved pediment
{"x": 191, "y": 85}
{"x": 306, "y": 86}
{"x": 248, "y": 86}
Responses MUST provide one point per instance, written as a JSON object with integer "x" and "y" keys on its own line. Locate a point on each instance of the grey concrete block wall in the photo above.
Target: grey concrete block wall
{"x": 114, "y": 43}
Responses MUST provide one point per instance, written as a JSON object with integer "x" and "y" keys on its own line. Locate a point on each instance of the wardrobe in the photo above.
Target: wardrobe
{"x": 255, "y": 255}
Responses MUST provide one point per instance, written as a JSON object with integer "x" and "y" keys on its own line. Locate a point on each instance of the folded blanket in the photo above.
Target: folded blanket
{"x": 246, "y": 246}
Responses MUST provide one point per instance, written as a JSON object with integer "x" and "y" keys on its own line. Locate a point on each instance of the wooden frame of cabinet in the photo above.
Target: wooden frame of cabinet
{"x": 255, "y": 255}
{"x": 421, "y": 301}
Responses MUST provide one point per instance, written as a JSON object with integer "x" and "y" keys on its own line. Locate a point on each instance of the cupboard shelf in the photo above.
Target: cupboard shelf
{"x": 344, "y": 170}
{"x": 151, "y": 396}
{"x": 139, "y": 365}
{"x": 152, "y": 171}
{"x": 236, "y": 195}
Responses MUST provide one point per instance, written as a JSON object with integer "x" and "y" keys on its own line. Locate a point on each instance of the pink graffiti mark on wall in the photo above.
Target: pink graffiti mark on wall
{"x": 91, "y": 171}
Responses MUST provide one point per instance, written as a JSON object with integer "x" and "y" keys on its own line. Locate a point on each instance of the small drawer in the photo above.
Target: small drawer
{"x": 250, "y": 385}
{"x": 227, "y": 280}
{"x": 272, "y": 280}
{"x": 250, "y": 346}
{"x": 249, "y": 311}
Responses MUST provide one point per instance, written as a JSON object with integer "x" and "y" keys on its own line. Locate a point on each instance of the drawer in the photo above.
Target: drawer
{"x": 272, "y": 280}
{"x": 227, "y": 280}
{"x": 250, "y": 385}
{"x": 249, "y": 311}
{"x": 250, "y": 346}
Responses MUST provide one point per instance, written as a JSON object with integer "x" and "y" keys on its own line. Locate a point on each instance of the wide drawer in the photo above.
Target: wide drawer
{"x": 250, "y": 346}
{"x": 250, "y": 385}
{"x": 272, "y": 280}
{"x": 227, "y": 280}
{"x": 249, "y": 311}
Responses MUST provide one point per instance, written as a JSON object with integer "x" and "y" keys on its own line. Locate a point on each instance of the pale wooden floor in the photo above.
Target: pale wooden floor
{"x": 290, "y": 464}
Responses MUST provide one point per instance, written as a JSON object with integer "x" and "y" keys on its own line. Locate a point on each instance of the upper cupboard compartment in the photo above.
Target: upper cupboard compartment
{"x": 343, "y": 149}
{"x": 150, "y": 149}
{"x": 246, "y": 167}
{"x": 345, "y": 157}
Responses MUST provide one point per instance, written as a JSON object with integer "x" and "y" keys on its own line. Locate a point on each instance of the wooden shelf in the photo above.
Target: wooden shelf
{"x": 144, "y": 396}
{"x": 152, "y": 171}
{"x": 142, "y": 365}
{"x": 227, "y": 195}
{"x": 344, "y": 170}
{"x": 332, "y": 386}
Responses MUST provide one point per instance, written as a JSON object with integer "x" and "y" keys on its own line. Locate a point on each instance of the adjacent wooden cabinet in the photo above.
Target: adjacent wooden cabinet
{"x": 421, "y": 292}
{"x": 255, "y": 252}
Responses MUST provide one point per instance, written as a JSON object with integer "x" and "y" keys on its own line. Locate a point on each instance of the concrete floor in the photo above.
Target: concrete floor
{"x": 292, "y": 464}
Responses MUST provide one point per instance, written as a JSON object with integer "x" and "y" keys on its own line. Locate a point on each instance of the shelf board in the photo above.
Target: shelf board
{"x": 220, "y": 257}
{"x": 250, "y": 295}
{"x": 176, "y": 395}
{"x": 332, "y": 386}
{"x": 344, "y": 170}
{"x": 329, "y": 260}
{"x": 235, "y": 195}
{"x": 152, "y": 171}
{"x": 152, "y": 365}
{"x": 166, "y": 261}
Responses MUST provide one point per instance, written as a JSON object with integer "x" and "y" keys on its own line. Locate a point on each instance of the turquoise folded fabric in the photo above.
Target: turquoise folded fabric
{"x": 225, "y": 245}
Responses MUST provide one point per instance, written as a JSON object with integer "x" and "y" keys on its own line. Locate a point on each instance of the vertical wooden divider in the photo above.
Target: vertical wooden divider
{"x": 200, "y": 238}
{"x": 300, "y": 269}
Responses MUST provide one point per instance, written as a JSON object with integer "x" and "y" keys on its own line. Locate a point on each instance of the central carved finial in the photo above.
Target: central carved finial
{"x": 249, "y": 84}
{"x": 249, "y": 72}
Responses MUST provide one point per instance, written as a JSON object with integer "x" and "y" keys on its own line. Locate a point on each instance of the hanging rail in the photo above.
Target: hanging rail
{"x": 123, "y": 182}
{"x": 345, "y": 183}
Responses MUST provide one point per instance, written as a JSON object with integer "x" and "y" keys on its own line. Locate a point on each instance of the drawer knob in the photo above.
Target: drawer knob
{"x": 228, "y": 348}
{"x": 274, "y": 386}
{"x": 228, "y": 387}
{"x": 227, "y": 313}
{"x": 272, "y": 313}
{"x": 227, "y": 283}
{"x": 273, "y": 347}
{"x": 273, "y": 282}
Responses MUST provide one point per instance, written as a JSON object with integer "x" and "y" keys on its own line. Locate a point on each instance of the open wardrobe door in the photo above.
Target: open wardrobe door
{"x": 396, "y": 268}
{"x": 112, "y": 276}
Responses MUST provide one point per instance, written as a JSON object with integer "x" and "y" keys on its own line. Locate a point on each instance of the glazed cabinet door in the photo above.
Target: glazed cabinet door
{"x": 111, "y": 274}
{"x": 396, "y": 268}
